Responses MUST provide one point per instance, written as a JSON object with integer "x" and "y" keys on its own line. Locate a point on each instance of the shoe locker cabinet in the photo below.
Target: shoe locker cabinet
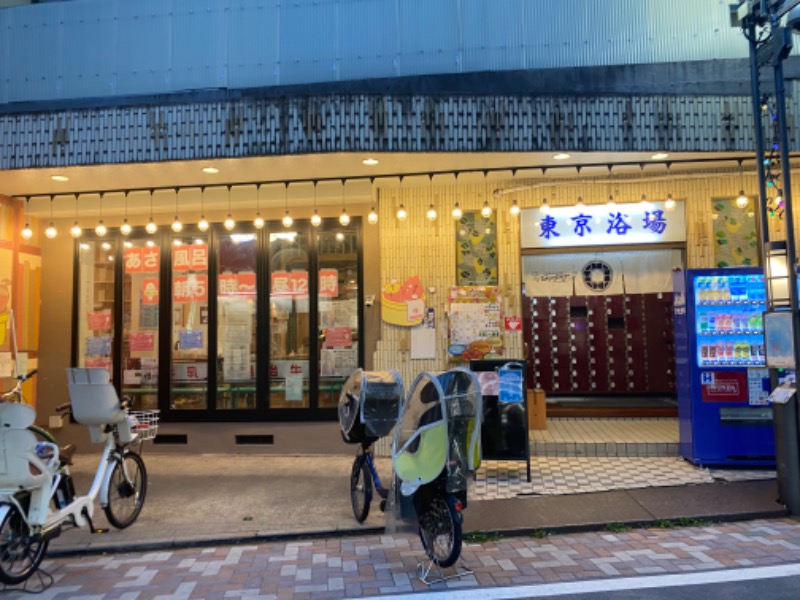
{"x": 620, "y": 344}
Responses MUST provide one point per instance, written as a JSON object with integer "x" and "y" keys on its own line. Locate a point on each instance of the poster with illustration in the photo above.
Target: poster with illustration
{"x": 403, "y": 304}
{"x": 476, "y": 324}
{"x": 476, "y": 250}
{"x": 735, "y": 235}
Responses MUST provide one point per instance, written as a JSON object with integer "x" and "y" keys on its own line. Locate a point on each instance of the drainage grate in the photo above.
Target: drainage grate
{"x": 171, "y": 438}
{"x": 264, "y": 440}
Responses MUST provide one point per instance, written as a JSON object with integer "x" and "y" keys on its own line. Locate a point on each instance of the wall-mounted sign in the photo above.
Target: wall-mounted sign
{"x": 601, "y": 225}
{"x": 142, "y": 260}
{"x": 190, "y": 257}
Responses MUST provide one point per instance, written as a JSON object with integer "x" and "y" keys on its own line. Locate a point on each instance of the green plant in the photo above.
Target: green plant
{"x": 540, "y": 534}
{"x": 664, "y": 524}
{"x": 481, "y": 537}
{"x": 247, "y": 518}
{"x": 693, "y": 522}
{"x": 616, "y": 527}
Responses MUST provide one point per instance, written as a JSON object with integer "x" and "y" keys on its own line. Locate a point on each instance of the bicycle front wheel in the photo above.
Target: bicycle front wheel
{"x": 360, "y": 488}
{"x": 126, "y": 494}
{"x": 440, "y": 530}
{"x": 20, "y": 553}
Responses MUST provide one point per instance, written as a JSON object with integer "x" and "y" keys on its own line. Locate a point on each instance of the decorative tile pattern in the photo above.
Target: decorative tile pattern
{"x": 372, "y": 566}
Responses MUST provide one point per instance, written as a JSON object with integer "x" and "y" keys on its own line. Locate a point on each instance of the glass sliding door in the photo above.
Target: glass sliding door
{"x": 337, "y": 256}
{"x": 96, "y": 304}
{"x": 290, "y": 331}
{"x": 236, "y": 321}
{"x": 140, "y": 300}
{"x": 189, "y": 329}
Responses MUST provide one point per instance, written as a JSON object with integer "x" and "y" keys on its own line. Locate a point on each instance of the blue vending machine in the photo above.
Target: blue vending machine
{"x": 723, "y": 384}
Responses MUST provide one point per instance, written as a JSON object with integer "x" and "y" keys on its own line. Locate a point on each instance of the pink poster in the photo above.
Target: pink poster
{"x": 99, "y": 320}
{"x": 141, "y": 341}
{"x": 338, "y": 337}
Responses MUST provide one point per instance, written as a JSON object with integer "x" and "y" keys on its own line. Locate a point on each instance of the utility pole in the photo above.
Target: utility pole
{"x": 770, "y": 43}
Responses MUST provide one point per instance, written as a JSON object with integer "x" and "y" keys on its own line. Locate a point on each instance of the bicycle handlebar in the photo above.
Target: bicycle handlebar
{"x": 27, "y": 376}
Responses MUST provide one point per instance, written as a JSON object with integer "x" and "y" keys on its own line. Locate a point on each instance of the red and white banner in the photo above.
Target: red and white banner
{"x": 292, "y": 283}
{"x": 190, "y": 257}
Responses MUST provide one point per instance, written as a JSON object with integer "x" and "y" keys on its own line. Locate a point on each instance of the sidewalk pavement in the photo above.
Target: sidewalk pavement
{"x": 204, "y": 500}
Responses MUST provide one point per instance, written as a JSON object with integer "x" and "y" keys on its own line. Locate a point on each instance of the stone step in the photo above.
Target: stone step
{"x": 619, "y": 449}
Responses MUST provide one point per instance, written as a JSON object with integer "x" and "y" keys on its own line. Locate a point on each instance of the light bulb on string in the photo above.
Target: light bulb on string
{"x": 457, "y": 213}
{"x": 431, "y": 212}
{"x": 486, "y": 210}
{"x": 316, "y": 220}
{"x": 27, "y": 232}
{"x": 579, "y": 204}
{"x": 372, "y": 217}
{"x": 670, "y": 203}
{"x": 287, "y": 218}
{"x": 202, "y": 224}
{"x": 544, "y": 208}
{"x": 514, "y": 210}
{"x": 151, "y": 226}
{"x": 125, "y": 228}
{"x": 344, "y": 218}
{"x": 258, "y": 222}
{"x": 402, "y": 213}
{"x": 229, "y": 223}
{"x": 101, "y": 228}
{"x": 177, "y": 226}
{"x": 51, "y": 231}
{"x": 742, "y": 200}
{"x": 76, "y": 231}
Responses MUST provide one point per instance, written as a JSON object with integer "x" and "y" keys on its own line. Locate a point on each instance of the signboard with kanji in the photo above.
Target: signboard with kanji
{"x": 142, "y": 260}
{"x": 190, "y": 288}
{"x": 292, "y": 283}
{"x": 190, "y": 257}
{"x": 329, "y": 283}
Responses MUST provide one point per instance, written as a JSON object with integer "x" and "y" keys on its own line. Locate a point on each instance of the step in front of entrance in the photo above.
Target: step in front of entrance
{"x": 604, "y": 449}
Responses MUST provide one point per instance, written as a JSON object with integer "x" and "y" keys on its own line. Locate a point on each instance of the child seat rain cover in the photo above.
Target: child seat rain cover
{"x": 439, "y": 427}
{"x": 369, "y": 405}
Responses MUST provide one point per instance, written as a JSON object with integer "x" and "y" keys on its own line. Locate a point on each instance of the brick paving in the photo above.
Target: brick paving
{"x": 387, "y": 564}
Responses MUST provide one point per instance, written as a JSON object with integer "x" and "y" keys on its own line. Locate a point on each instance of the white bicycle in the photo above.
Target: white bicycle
{"x": 37, "y": 496}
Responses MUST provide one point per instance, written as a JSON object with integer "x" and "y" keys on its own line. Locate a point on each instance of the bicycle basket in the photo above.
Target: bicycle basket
{"x": 145, "y": 423}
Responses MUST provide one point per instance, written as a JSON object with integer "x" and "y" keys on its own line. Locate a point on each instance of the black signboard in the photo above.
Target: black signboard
{"x": 504, "y": 431}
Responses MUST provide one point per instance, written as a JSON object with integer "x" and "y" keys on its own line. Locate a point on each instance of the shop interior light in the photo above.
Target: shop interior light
{"x": 561, "y": 156}
{"x": 177, "y": 226}
{"x": 431, "y": 212}
{"x": 659, "y": 156}
{"x": 101, "y": 228}
{"x": 402, "y": 213}
{"x": 210, "y": 170}
{"x": 370, "y": 162}
{"x": 372, "y": 217}
{"x": 60, "y": 178}
{"x": 457, "y": 212}
{"x": 151, "y": 226}
{"x": 125, "y": 228}
{"x": 27, "y": 232}
{"x": 51, "y": 231}
{"x": 202, "y": 224}
{"x": 229, "y": 223}
{"x": 344, "y": 218}
{"x": 258, "y": 222}
{"x": 76, "y": 231}
{"x": 514, "y": 210}
{"x": 287, "y": 218}
{"x": 742, "y": 200}
{"x": 486, "y": 211}
{"x": 316, "y": 220}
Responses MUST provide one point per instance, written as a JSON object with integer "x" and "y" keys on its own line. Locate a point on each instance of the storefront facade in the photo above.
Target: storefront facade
{"x": 236, "y": 334}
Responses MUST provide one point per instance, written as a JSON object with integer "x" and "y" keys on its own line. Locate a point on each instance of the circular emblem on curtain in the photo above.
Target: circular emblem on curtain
{"x": 597, "y": 275}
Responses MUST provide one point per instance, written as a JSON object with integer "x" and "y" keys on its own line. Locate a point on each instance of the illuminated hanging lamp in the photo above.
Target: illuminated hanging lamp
{"x": 27, "y": 232}
{"x": 229, "y": 223}
{"x": 202, "y": 224}
{"x": 514, "y": 210}
{"x": 402, "y": 213}
{"x": 742, "y": 200}
{"x": 344, "y": 218}
{"x": 101, "y": 228}
{"x": 125, "y": 228}
{"x": 258, "y": 222}
{"x": 316, "y": 220}
{"x": 51, "y": 231}
{"x": 76, "y": 231}
{"x": 151, "y": 226}
{"x": 457, "y": 213}
{"x": 431, "y": 212}
{"x": 177, "y": 226}
{"x": 372, "y": 217}
{"x": 287, "y": 218}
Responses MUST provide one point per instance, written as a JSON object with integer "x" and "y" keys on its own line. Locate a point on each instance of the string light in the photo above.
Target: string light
{"x": 402, "y": 213}
{"x": 101, "y": 228}
{"x": 76, "y": 231}
{"x": 258, "y": 221}
{"x": 287, "y": 218}
{"x": 514, "y": 210}
{"x": 431, "y": 214}
{"x": 51, "y": 231}
{"x": 344, "y": 218}
{"x": 27, "y": 232}
{"x": 316, "y": 220}
{"x": 125, "y": 228}
{"x": 177, "y": 226}
{"x": 202, "y": 224}
{"x": 742, "y": 200}
{"x": 544, "y": 208}
{"x": 372, "y": 217}
{"x": 486, "y": 211}
{"x": 229, "y": 223}
{"x": 151, "y": 226}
